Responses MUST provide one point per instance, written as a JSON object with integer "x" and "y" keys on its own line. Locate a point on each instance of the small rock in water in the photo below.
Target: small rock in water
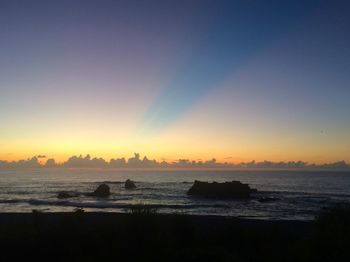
{"x": 129, "y": 184}
{"x": 101, "y": 191}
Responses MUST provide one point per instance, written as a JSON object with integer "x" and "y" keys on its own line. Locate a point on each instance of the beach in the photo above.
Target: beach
{"x": 147, "y": 236}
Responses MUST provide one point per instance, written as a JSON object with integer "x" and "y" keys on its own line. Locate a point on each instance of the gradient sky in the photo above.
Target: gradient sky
{"x": 235, "y": 80}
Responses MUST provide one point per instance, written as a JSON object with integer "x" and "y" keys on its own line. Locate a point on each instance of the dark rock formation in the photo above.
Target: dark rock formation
{"x": 129, "y": 184}
{"x": 234, "y": 189}
{"x": 101, "y": 191}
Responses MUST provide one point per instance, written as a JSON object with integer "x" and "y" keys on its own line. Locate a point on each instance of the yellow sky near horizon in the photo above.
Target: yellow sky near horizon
{"x": 177, "y": 144}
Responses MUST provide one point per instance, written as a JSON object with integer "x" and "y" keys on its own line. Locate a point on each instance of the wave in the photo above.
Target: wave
{"x": 9, "y": 201}
{"x": 305, "y": 194}
{"x": 103, "y": 205}
{"x": 109, "y": 182}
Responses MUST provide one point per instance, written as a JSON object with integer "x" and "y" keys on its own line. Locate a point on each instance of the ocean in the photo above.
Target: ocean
{"x": 300, "y": 194}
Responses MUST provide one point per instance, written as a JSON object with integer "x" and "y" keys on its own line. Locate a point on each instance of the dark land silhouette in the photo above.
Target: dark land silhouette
{"x": 144, "y": 235}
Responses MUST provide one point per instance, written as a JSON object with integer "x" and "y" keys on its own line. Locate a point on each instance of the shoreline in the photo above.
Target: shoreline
{"x": 91, "y": 218}
{"x": 96, "y": 236}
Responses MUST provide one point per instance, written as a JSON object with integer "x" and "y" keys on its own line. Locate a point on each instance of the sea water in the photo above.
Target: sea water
{"x": 299, "y": 195}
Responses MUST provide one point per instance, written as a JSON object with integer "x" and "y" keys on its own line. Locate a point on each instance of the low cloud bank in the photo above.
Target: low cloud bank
{"x": 137, "y": 162}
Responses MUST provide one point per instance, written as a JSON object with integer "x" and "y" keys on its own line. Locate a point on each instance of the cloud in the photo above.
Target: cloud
{"x": 50, "y": 163}
{"x": 137, "y": 162}
{"x": 29, "y": 163}
{"x": 86, "y": 161}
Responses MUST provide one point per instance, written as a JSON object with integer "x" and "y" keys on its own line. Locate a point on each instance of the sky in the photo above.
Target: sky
{"x": 234, "y": 80}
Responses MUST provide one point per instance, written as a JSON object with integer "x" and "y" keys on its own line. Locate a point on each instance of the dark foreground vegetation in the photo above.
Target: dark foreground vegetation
{"x": 143, "y": 235}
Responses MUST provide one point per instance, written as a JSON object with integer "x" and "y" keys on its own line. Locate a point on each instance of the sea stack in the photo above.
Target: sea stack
{"x": 101, "y": 191}
{"x": 129, "y": 184}
{"x": 234, "y": 189}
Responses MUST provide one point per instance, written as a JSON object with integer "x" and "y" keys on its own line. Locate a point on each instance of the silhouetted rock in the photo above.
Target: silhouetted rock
{"x": 62, "y": 195}
{"x": 268, "y": 199}
{"x": 129, "y": 184}
{"x": 234, "y": 189}
{"x": 101, "y": 191}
